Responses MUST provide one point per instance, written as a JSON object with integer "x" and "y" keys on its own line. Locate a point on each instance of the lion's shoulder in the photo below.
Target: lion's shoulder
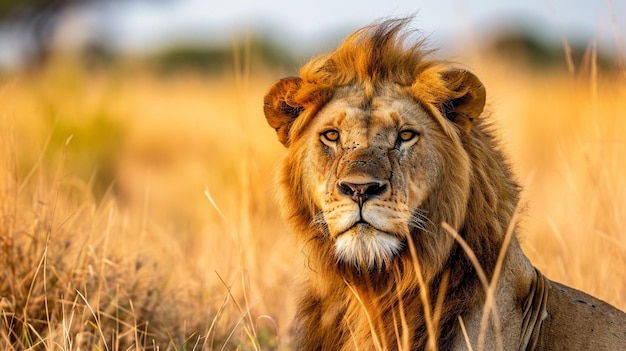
{"x": 578, "y": 321}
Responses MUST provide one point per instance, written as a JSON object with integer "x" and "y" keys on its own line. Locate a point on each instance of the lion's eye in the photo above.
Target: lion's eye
{"x": 407, "y": 135}
{"x": 331, "y": 135}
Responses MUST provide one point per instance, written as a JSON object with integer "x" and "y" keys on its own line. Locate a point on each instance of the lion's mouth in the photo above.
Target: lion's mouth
{"x": 362, "y": 227}
{"x": 363, "y": 245}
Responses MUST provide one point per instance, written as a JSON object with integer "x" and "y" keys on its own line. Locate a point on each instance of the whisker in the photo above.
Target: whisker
{"x": 318, "y": 223}
{"x": 419, "y": 220}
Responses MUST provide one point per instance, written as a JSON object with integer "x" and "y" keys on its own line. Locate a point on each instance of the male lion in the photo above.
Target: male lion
{"x": 387, "y": 158}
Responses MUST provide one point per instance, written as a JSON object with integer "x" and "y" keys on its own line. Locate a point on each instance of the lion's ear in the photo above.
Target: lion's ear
{"x": 467, "y": 99}
{"x": 281, "y": 108}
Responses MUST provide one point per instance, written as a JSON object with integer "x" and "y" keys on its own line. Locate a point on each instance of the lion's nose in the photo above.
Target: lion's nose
{"x": 361, "y": 192}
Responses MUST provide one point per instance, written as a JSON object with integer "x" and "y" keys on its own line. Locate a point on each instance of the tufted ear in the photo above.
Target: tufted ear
{"x": 280, "y": 107}
{"x": 467, "y": 99}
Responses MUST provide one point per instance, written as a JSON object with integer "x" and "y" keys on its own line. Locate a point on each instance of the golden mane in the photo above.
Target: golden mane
{"x": 374, "y": 54}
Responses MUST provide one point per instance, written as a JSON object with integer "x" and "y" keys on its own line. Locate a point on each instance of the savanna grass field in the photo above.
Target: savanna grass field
{"x": 137, "y": 210}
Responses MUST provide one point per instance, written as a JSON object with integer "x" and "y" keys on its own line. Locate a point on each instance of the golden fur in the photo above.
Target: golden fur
{"x": 385, "y": 145}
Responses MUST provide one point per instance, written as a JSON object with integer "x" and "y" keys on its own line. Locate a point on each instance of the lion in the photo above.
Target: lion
{"x": 405, "y": 205}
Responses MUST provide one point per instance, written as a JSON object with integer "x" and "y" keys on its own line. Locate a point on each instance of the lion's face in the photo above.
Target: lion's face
{"x": 374, "y": 173}
{"x": 374, "y": 165}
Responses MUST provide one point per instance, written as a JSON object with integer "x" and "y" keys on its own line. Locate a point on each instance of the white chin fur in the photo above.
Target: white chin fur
{"x": 373, "y": 250}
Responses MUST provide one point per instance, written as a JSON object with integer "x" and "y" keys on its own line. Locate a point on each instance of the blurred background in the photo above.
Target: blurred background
{"x": 201, "y": 33}
{"x": 137, "y": 206}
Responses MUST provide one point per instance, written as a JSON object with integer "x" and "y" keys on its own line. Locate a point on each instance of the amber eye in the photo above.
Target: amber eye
{"x": 331, "y": 135}
{"x": 407, "y": 135}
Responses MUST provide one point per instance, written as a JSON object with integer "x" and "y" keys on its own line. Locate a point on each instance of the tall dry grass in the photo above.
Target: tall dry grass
{"x": 564, "y": 133}
{"x": 180, "y": 249}
{"x": 137, "y": 212}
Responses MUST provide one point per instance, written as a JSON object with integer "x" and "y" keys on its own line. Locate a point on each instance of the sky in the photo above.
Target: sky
{"x": 141, "y": 26}
{"x": 299, "y": 22}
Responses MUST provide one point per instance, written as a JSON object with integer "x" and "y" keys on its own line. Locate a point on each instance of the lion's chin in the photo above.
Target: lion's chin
{"x": 364, "y": 246}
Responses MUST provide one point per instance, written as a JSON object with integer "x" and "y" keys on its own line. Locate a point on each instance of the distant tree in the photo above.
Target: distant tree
{"x": 38, "y": 18}
{"x": 526, "y": 47}
{"x": 17, "y": 8}
{"x": 260, "y": 53}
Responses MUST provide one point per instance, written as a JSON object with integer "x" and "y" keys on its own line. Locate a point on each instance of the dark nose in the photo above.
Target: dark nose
{"x": 361, "y": 192}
